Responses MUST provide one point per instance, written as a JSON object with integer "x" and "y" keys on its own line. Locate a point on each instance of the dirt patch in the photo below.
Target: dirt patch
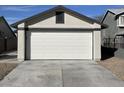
{"x": 115, "y": 65}
{"x": 5, "y": 68}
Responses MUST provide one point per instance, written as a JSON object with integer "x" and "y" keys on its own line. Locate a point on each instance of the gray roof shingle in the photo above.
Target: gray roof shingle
{"x": 117, "y": 11}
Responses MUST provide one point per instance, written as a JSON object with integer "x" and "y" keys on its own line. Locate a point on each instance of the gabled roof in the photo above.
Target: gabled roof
{"x": 55, "y": 9}
{"x": 4, "y": 27}
{"x": 106, "y": 15}
{"x": 115, "y": 12}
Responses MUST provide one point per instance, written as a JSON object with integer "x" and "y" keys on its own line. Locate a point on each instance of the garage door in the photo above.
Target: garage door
{"x": 58, "y": 45}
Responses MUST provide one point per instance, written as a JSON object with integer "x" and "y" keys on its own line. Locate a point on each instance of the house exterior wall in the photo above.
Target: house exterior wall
{"x": 111, "y": 31}
{"x": 112, "y": 28}
{"x": 96, "y": 37}
{"x": 70, "y": 22}
{"x": 21, "y": 43}
{"x": 97, "y": 45}
{"x": 49, "y": 22}
{"x": 7, "y": 36}
{"x": 120, "y": 29}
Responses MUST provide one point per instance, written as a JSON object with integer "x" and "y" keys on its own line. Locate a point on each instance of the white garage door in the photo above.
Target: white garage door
{"x": 59, "y": 45}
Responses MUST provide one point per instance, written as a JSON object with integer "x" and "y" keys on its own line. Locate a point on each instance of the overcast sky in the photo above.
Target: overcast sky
{"x": 15, "y": 13}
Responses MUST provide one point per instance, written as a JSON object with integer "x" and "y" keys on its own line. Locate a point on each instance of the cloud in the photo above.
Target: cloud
{"x": 18, "y": 8}
{"x": 12, "y": 18}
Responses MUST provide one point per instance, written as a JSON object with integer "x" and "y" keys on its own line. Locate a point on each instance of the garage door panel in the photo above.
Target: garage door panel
{"x": 62, "y": 45}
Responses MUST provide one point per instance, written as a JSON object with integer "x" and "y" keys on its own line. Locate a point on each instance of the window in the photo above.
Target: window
{"x": 121, "y": 21}
{"x": 60, "y": 17}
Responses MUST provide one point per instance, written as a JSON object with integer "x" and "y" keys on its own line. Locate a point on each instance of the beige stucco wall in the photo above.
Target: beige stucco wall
{"x": 97, "y": 45}
{"x": 21, "y": 43}
{"x": 70, "y": 22}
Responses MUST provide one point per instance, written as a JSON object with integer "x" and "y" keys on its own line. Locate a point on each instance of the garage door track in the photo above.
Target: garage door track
{"x": 59, "y": 73}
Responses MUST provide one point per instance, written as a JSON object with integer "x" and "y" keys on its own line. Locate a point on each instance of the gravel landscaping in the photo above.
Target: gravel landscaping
{"x": 5, "y": 68}
{"x": 8, "y": 61}
{"x": 115, "y": 65}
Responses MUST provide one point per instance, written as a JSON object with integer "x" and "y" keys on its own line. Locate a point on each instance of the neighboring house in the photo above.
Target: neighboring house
{"x": 8, "y": 40}
{"x": 113, "y": 35}
{"x": 59, "y": 33}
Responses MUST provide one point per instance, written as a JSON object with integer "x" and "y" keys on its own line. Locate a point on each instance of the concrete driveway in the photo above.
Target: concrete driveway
{"x": 58, "y": 73}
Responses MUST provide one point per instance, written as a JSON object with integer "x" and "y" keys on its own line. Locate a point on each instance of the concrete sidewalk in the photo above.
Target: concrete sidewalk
{"x": 9, "y": 57}
{"x": 60, "y": 73}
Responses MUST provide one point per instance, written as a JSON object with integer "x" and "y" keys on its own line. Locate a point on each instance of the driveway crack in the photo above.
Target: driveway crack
{"x": 62, "y": 74}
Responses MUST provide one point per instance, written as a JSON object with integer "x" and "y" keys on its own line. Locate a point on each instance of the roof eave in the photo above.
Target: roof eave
{"x": 15, "y": 25}
{"x": 119, "y": 15}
